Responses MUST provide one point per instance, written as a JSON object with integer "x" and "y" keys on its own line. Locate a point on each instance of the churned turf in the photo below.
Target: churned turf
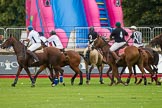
{"x": 85, "y": 96}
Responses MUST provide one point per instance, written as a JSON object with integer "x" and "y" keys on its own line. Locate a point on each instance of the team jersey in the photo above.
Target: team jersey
{"x": 119, "y": 35}
{"x": 137, "y": 37}
{"x": 55, "y": 41}
{"x": 92, "y": 36}
{"x": 34, "y": 37}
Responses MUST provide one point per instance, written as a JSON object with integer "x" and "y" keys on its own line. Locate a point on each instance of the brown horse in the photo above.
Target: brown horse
{"x": 50, "y": 55}
{"x": 71, "y": 58}
{"x": 132, "y": 56}
{"x": 157, "y": 40}
{"x": 151, "y": 59}
{"x": 95, "y": 59}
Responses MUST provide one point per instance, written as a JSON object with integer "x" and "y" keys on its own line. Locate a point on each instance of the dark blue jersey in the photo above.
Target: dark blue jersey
{"x": 119, "y": 35}
{"x": 92, "y": 36}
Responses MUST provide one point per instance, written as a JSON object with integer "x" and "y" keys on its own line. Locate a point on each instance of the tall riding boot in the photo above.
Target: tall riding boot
{"x": 117, "y": 58}
{"x": 87, "y": 56}
{"x": 33, "y": 55}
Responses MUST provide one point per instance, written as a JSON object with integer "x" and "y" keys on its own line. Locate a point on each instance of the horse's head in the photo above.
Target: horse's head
{"x": 100, "y": 41}
{"x": 157, "y": 40}
{"x": 8, "y": 42}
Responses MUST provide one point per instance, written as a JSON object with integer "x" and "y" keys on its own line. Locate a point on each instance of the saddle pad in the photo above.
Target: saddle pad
{"x": 39, "y": 51}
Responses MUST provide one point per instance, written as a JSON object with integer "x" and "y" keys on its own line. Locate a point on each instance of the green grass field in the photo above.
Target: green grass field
{"x": 85, "y": 96}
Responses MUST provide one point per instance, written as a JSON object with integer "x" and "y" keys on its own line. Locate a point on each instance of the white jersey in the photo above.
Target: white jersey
{"x": 55, "y": 41}
{"x": 34, "y": 37}
{"x": 44, "y": 39}
{"x": 35, "y": 40}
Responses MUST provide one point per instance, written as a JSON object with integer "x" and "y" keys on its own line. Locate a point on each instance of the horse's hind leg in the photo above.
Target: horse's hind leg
{"x": 77, "y": 71}
{"x": 38, "y": 72}
{"x": 17, "y": 76}
{"x": 135, "y": 74}
{"x": 100, "y": 68}
{"x": 143, "y": 74}
{"x": 130, "y": 74}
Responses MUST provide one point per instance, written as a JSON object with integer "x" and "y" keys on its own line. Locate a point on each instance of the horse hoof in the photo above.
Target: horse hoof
{"x": 33, "y": 85}
{"x": 53, "y": 85}
{"x": 72, "y": 82}
{"x": 63, "y": 84}
{"x": 149, "y": 83}
{"x": 101, "y": 82}
{"x": 13, "y": 85}
{"x": 126, "y": 84}
{"x": 87, "y": 82}
{"x": 158, "y": 83}
{"x": 80, "y": 84}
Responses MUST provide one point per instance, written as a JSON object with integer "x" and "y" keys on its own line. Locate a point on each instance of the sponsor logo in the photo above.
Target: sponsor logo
{"x": 8, "y": 65}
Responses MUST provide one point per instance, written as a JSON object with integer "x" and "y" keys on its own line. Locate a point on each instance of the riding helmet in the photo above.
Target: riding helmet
{"x": 133, "y": 28}
{"x": 91, "y": 28}
{"x": 52, "y": 32}
{"x": 30, "y": 28}
{"x": 118, "y": 24}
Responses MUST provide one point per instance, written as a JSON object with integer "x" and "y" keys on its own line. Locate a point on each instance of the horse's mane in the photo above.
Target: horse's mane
{"x": 18, "y": 42}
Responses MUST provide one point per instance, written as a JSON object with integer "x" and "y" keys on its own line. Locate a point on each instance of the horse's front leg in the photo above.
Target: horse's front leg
{"x": 17, "y": 76}
{"x": 32, "y": 80}
{"x": 87, "y": 73}
{"x": 90, "y": 70}
{"x": 108, "y": 73}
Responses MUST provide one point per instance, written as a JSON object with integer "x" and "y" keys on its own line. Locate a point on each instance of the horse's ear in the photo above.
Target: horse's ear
{"x": 10, "y": 35}
{"x": 98, "y": 35}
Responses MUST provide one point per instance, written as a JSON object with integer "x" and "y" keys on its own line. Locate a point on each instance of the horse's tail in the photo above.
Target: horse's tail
{"x": 82, "y": 56}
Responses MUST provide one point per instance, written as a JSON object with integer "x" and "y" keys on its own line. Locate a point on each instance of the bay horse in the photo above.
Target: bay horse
{"x": 71, "y": 58}
{"x": 49, "y": 55}
{"x": 132, "y": 55}
{"x": 95, "y": 59}
{"x": 157, "y": 40}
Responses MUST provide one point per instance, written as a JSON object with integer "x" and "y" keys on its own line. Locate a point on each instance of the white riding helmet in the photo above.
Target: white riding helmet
{"x": 133, "y": 27}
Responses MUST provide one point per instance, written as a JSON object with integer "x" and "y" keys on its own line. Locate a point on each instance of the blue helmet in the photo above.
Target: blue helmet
{"x": 30, "y": 28}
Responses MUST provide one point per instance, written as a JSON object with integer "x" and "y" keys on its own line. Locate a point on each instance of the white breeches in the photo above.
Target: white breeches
{"x": 116, "y": 46}
{"x": 34, "y": 46}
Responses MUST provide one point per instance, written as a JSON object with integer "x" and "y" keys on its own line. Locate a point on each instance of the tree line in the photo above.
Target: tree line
{"x": 136, "y": 12}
